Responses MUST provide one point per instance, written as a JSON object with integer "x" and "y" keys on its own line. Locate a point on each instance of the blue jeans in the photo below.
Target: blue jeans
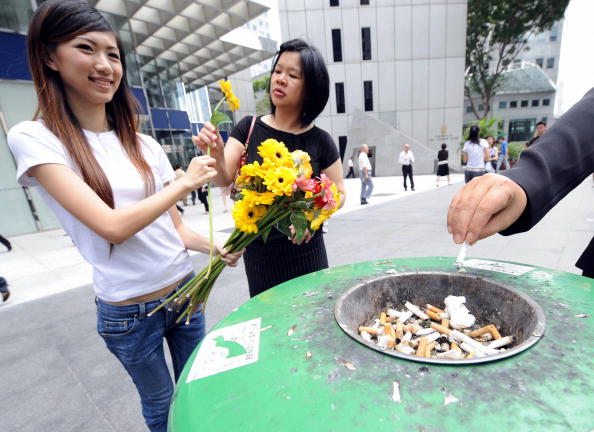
{"x": 469, "y": 175}
{"x": 137, "y": 342}
{"x": 366, "y": 185}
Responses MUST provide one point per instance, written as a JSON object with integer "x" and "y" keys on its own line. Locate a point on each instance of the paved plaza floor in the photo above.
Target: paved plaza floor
{"x": 56, "y": 374}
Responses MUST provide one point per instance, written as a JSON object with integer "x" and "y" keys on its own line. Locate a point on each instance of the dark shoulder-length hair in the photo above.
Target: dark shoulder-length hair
{"x": 315, "y": 77}
{"x": 473, "y": 134}
{"x": 56, "y": 22}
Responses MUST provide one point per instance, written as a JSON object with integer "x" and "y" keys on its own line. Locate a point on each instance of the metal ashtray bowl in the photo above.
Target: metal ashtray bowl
{"x": 512, "y": 312}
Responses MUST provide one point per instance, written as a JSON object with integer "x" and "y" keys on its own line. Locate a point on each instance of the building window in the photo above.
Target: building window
{"x": 540, "y": 62}
{"x": 535, "y": 102}
{"x": 481, "y": 107}
{"x": 366, "y": 42}
{"x": 364, "y": 3}
{"x": 468, "y": 109}
{"x": 513, "y": 104}
{"x": 546, "y": 102}
{"x": 368, "y": 95}
{"x": 333, "y": 2}
{"x": 553, "y": 33}
{"x": 339, "y": 97}
{"x": 524, "y": 103}
{"x": 336, "y": 45}
{"x": 550, "y": 62}
{"x": 521, "y": 130}
{"x": 502, "y": 104}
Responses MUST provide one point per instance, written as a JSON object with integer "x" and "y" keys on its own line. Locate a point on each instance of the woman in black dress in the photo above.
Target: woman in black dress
{"x": 299, "y": 90}
{"x": 443, "y": 168}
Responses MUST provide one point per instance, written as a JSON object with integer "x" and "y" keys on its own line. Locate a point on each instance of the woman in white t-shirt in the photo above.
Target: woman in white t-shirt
{"x": 113, "y": 191}
{"x": 475, "y": 153}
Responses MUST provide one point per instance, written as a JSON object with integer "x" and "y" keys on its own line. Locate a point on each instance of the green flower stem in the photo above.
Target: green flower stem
{"x": 209, "y": 200}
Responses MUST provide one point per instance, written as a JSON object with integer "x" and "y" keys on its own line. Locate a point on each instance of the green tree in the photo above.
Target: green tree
{"x": 496, "y": 33}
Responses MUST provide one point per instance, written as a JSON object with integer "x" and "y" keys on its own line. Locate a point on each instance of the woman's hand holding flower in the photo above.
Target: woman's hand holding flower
{"x": 229, "y": 258}
{"x": 200, "y": 171}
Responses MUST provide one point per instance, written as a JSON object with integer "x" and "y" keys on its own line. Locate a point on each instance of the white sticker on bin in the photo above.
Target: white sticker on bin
{"x": 227, "y": 348}
{"x": 512, "y": 269}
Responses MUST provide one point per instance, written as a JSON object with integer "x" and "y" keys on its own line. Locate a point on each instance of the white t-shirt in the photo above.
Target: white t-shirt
{"x": 364, "y": 162}
{"x": 149, "y": 260}
{"x": 476, "y": 153}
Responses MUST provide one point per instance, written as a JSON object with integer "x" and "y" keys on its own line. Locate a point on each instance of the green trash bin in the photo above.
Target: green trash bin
{"x": 282, "y": 362}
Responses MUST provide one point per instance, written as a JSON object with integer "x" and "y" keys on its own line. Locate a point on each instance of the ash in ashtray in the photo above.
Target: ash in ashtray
{"x": 431, "y": 332}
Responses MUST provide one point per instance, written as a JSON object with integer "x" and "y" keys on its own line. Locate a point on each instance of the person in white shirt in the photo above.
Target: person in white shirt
{"x": 114, "y": 193}
{"x": 350, "y": 164}
{"x": 406, "y": 159}
{"x": 365, "y": 174}
{"x": 474, "y": 154}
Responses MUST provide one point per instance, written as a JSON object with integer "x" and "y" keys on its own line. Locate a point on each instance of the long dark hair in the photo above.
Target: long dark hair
{"x": 315, "y": 77}
{"x": 473, "y": 134}
{"x": 59, "y": 21}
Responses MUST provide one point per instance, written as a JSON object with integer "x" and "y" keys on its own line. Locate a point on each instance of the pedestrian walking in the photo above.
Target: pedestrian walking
{"x": 350, "y": 164}
{"x": 365, "y": 174}
{"x": 407, "y": 159}
{"x": 106, "y": 183}
{"x": 491, "y": 162}
{"x": 203, "y": 197}
{"x": 474, "y": 154}
{"x": 299, "y": 90}
{"x": 503, "y": 158}
{"x": 443, "y": 169}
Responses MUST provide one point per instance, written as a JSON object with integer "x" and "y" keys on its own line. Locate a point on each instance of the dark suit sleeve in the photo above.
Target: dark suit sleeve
{"x": 555, "y": 164}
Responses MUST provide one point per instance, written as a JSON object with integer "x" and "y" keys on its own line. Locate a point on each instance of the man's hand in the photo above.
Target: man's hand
{"x": 485, "y": 206}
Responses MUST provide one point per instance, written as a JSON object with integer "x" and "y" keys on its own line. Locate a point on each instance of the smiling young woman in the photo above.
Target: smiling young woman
{"x": 299, "y": 90}
{"x": 112, "y": 190}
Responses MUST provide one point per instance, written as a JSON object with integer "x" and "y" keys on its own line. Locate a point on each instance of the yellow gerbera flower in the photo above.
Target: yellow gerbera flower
{"x": 253, "y": 198}
{"x": 233, "y": 102}
{"x": 337, "y": 197}
{"x": 247, "y": 217}
{"x": 280, "y": 180}
{"x": 319, "y": 219}
{"x": 275, "y": 153}
{"x": 225, "y": 88}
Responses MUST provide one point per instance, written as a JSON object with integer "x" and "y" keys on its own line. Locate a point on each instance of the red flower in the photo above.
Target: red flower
{"x": 305, "y": 184}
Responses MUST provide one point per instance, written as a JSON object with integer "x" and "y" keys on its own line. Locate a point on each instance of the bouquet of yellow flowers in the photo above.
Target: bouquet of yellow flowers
{"x": 278, "y": 193}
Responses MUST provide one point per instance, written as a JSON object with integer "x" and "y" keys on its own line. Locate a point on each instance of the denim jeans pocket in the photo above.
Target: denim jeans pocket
{"x": 115, "y": 325}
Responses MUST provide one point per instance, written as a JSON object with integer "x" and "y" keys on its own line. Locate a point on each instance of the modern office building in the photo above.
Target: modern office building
{"x": 175, "y": 49}
{"x": 396, "y": 70}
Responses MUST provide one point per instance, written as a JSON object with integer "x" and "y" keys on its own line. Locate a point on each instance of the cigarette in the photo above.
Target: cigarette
{"x": 418, "y": 312}
{"x": 422, "y": 347}
{"x": 441, "y": 329}
{"x": 476, "y": 345}
{"x": 370, "y": 330}
{"x": 393, "y": 313}
{"x": 445, "y": 322}
{"x": 405, "y": 349}
{"x": 429, "y": 348}
{"x": 498, "y": 343}
{"x": 405, "y": 315}
{"x": 461, "y": 256}
{"x": 433, "y": 308}
{"x": 382, "y": 318}
{"x": 385, "y": 341}
{"x": 389, "y": 319}
{"x": 407, "y": 337}
{"x": 490, "y": 328}
{"x": 399, "y": 329}
{"x": 366, "y": 336}
{"x": 413, "y": 328}
{"x": 389, "y": 330}
{"x": 424, "y": 331}
{"x": 433, "y": 315}
{"x": 471, "y": 350}
{"x": 433, "y": 336}
{"x": 451, "y": 354}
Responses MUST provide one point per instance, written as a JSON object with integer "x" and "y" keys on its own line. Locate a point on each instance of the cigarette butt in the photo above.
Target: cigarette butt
{"x": 382, "y": 318}
{"x": 494, "y": 332}
{"x": 391, "y": 342}
{"x": 433, "y": 308}
{"x": 390, "y": 319}
{"x": 413, "y": 328}
{"x": 418, "y": 312}
{"x": 429, "y": 348}
{"x": 476, "y": 345}
{"x": 405, "y": 349}
{"x": 407, "y": 337}
{"x": 370, "y": 330}
{"x": 422, "y": 347}
{"x": 479, "y": 332}
{"x": 454, "y": 346}
{"x": 498, "y": 343}
{"x": 389, "y": 330}
{"x": 433, "y": 315}
{"x": 405, "y": 315}
{"x": 441, "y": 328}
{"x": 413, "y": 343}
{"x": 445, "y": 346}
{"x": 424, "y": 331}
{"x": 366, "y": 336}
{"x": 399, "y": 329}
{"x": 445, "y": 322}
